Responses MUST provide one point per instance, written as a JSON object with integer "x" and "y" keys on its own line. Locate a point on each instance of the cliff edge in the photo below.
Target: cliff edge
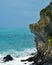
{"x": 43, "y": 36}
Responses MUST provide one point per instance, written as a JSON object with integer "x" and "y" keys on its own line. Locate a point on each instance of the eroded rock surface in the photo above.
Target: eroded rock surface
{"x": 43, "y": 35}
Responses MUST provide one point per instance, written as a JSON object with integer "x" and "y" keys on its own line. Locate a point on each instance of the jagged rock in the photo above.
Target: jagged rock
{"x": 30, "y": 59}
{"x": 7, "y": 58}
{"x": 43, "y": 37}
{"x": 43, "y": 34}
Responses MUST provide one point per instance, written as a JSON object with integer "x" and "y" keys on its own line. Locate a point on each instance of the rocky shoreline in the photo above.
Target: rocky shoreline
{"x": 43, "y": 37}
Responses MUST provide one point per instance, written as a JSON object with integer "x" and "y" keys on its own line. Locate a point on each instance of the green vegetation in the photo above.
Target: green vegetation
{"x": 50, "y": 41}
{"x": 47, "y": 10}
{"x": 51, "y": 3}
{"x": 48, "y": 13}
{"x": 42, "y": 11}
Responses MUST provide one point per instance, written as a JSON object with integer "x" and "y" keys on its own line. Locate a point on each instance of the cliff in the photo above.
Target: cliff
{"x": 43, "y": 35}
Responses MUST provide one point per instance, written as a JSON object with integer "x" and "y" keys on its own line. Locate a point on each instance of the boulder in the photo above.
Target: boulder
{"x": 7, "y": 58}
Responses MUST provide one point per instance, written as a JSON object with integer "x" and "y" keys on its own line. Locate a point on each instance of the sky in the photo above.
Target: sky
{"x": 20, "y": 13}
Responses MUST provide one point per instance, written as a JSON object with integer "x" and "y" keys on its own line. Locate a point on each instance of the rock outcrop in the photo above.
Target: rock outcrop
{"x": 43, "y": 36}
{"x": 7, "y": 58}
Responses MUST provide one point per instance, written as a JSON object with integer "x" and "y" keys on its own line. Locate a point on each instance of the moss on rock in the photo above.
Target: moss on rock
{"x": 50, "y": 41}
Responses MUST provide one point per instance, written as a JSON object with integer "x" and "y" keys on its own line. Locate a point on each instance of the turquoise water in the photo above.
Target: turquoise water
{"x": 16, "y": 40}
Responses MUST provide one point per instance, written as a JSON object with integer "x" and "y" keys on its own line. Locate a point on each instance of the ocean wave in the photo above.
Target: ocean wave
{"x": 22, "y": 53}
{"x": 17, "y": 55}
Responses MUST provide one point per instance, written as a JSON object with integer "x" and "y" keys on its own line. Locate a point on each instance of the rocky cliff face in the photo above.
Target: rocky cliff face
{"x": 43, "y": 34}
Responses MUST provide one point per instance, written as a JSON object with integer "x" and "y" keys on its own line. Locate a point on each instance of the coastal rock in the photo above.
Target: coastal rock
{"x": 7, "y": 58}
{"x": 30, "y": 59}
{"x": 43, "y": 36}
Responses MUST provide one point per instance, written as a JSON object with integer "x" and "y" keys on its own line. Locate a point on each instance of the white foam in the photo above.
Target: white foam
{"x": 17, "y": 60}
{"x": 20, "y": 53}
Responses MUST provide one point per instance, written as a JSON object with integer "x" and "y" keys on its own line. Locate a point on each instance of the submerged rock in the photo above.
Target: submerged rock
{"x": 43, "y": 36}
{"x": 7, "y": 58}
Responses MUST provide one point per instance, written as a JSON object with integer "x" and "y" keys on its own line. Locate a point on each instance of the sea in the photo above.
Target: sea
{"x": 17, "y": 42}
